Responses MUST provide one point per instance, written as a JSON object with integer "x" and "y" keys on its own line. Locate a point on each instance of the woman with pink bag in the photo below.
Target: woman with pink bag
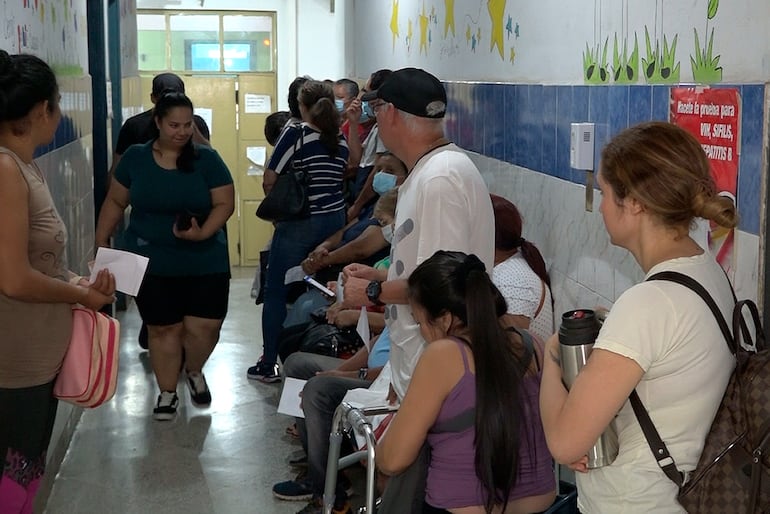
{"x": 36, "y": 295}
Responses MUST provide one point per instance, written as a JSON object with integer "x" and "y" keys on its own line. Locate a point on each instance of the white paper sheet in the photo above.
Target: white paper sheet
{"x": 257, "y": 154}
{"x": 340, "y": 289}
{"x": 295, "y": 274}
{"x": 363, "y": 328}
{"x": 127, "y": 267}
{"x": 207, "y": 115}
{"x": 291, "y": 398}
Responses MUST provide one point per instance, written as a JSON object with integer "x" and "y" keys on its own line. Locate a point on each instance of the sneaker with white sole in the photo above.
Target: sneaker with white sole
{"x": 199, "y": 389}
{"x": 165, "y": 409}
{"x": 267, "y": 373}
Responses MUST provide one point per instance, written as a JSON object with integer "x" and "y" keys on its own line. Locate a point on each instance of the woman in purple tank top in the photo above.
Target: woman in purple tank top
{"x": 473, "y": 398}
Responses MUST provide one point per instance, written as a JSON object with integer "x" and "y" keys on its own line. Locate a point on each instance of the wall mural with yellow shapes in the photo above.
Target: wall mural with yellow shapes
{"x": 575, "y": 42}
{"x": 437, "y": 28}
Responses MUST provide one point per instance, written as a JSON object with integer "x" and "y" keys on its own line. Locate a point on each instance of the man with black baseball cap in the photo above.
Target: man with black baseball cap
{"x": 413, "y": 91}
{"x": 443, "y": 204}
{"x": 141, "y": 128}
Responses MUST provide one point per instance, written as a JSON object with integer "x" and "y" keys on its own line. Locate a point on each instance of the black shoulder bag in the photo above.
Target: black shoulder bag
{"x": 288, "y": 200}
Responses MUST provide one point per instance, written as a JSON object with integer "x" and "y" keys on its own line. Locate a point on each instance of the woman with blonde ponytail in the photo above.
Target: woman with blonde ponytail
{"x": 660, "y": 338}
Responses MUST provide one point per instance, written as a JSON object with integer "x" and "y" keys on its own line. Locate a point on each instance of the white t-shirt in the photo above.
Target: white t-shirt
{"x": 372, "y": 146}
{"x": 444, "y": 204}
{"x": 670, "y": 332}
{"x": 522, "y": 290}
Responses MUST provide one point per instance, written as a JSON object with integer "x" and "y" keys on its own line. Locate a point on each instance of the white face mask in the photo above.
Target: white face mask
{"x": 387, "y": 233}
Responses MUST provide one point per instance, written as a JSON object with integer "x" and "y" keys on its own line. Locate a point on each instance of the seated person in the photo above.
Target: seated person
{"x": 315, "y": 335}
{"x": 520, "y": 273}
{"x": 498, "y": 458}
{"x": 387, "y": 173}
{"x": 328, "y": 380}
{"x": 367, "y": 242}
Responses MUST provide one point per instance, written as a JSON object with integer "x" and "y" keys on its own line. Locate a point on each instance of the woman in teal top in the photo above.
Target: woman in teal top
{"x": 181, "y": 196}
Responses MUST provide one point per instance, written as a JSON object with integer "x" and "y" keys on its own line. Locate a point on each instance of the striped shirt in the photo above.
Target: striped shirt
{"x": 325, "y": 171}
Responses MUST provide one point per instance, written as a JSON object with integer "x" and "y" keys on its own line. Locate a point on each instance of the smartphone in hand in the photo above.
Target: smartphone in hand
{"x": 325, "y": 290}
{"x": 184, "y": 220}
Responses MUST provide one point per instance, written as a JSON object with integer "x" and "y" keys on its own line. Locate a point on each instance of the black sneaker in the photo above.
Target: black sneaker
{"x": 267, "y": 373}
{"x": 293, "y": 490}
{"x": 199, "y": 389}
{"x": 165, "y": 409}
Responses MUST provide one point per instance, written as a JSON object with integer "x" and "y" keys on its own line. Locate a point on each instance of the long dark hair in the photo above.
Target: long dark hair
{"x": 25, "y": 81}
{"x": 508, "y": 226}
{"x": 318, "y": 99}
{"x": 168, "y": 101}
{"x": 456, "y": 283}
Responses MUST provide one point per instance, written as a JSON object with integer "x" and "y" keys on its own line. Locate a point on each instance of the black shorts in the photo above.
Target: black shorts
{"x": 167, "y": 300}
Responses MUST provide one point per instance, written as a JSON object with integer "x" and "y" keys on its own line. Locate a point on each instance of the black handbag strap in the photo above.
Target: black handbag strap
{"x": 657, "y": 446}
{"x": 295, "y": 166}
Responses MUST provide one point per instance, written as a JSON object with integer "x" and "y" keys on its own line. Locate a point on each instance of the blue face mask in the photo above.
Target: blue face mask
{"x": 383, "y": 182}
{"x": 366, "y": 112}
{"x": 339, "y": 104}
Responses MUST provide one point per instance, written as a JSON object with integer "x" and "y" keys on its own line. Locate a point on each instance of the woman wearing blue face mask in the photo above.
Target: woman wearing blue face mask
{"x": 388, "y": 173}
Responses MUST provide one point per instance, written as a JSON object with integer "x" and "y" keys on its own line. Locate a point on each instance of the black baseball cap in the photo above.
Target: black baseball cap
{"x": 166, "y": 82}
{"x": 412, "y": 90}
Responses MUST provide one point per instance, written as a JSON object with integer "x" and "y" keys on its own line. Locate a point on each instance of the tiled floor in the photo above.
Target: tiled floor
{"x": 223, "y": 459}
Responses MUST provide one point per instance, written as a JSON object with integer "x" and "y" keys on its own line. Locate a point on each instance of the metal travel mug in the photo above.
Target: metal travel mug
{"x": 577, "y": 335}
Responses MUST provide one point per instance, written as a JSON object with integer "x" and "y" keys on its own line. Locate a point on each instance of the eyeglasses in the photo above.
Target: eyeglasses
{"x": 376, "y": 106}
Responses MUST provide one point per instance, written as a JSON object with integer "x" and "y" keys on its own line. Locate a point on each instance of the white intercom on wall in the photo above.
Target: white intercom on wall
{"x": 581, "y": 146}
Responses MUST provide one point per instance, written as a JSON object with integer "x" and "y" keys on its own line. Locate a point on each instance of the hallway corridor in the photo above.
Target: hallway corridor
{"x": 223, "y": 459}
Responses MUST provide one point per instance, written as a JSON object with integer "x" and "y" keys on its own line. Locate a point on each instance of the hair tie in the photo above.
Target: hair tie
{"x": 471, "y": 263}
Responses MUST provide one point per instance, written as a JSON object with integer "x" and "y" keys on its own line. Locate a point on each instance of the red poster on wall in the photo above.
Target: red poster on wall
{"x": 713, "y": 117}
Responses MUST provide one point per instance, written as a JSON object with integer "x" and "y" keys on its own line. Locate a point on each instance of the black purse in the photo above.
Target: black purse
{"x": 288, "y": 200}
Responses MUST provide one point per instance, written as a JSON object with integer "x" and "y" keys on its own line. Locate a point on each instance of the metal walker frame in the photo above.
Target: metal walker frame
{"x": 346, "y": 419}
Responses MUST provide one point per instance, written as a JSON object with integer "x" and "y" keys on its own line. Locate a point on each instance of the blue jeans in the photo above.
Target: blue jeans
{"x": 292, "y": 242}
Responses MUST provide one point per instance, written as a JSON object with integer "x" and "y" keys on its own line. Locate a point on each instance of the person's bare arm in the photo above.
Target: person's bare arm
{"x": 114, "y": 205}
{"x": 369, "y": 242}
{"x": 430, "y": 385}
{"x": 18, "y": 279}
{"x": 574, "y": 420}
{"x": 222, "y": 207}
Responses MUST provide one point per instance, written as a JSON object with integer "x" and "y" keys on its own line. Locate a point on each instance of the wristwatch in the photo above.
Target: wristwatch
{"x": 362, "y": 372}
{"x": 373, "y": 291}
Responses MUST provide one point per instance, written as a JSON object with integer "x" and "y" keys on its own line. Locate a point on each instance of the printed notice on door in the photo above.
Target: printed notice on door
{"x": 257, "y": 104}
{"x": 713, "y": 117}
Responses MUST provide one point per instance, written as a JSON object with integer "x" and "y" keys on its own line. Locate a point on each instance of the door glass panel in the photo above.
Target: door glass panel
{"x": 151, "y": 41}
{"x": 248, "y": 43}
{"x": 195, "y": 42}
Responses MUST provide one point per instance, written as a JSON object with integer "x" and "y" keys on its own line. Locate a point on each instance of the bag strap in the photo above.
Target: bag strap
{"x": 301, "y": 141}
{"x": 657, "y": 446}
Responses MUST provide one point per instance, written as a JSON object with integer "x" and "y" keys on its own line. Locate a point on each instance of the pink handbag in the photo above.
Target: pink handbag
{"x": 89, "y": 372}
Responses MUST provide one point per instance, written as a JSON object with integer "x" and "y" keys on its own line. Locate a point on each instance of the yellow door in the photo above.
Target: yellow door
{"x": 256, "y": 100}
